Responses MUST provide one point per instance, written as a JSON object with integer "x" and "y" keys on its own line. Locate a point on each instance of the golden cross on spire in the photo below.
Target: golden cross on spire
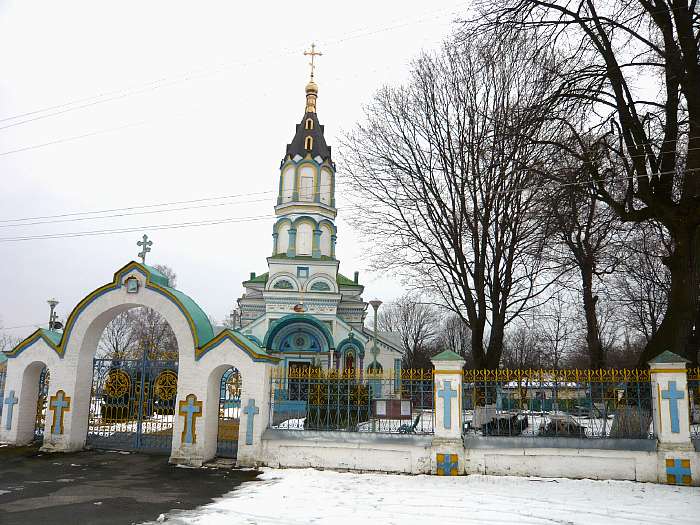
{"x": 313, "y": 53}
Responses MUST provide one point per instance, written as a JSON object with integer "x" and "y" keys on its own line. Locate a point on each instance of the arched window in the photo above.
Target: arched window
{"x": 320, "y": 286}
{"x": 309, "y": 123}
{"x": 283, "y": 284}
{"x": 309, "y": 143}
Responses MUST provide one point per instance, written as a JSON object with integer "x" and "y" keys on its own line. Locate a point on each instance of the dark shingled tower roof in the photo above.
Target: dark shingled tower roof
{"x": 299, "y": 143}
{"x": 320, "y": 148}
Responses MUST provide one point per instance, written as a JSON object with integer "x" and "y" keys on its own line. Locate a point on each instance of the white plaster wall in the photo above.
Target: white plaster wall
{"x": 23, "y": 378}
{"x": 202, "y": 378}
{"x": 564, "y": 462}
{"x": 346, "y": 452}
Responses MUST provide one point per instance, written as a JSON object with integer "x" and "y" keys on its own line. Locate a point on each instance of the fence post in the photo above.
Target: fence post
{"x": 671, "y": 409}
{"x": 447, "y": 386}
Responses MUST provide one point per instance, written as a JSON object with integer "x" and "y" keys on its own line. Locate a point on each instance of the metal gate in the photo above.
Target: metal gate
{"x": 229, "y": 413}
{"x": 41, "y": 404}
{"x": 132, "y": 404}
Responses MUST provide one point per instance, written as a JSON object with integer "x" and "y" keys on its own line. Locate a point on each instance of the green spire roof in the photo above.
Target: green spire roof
{"x": 447, "y": 355}
{"x": 668, "y": 357}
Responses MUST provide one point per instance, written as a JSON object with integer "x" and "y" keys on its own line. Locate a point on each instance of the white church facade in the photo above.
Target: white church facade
{"x": 303, "y": 310}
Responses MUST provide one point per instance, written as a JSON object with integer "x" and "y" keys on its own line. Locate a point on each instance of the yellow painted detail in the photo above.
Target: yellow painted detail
{"x": 571, "y": 375}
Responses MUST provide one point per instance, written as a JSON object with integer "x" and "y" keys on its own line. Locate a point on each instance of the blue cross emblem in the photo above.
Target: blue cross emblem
{"x": 447, "y": 465}
{"x": 447, "y": 393}
{"x": 251, "y": 411}
{"x": 10, "y": 402}
{"x": 673, "y": 397}
{"x": 679, "y": 470}
{"x": 190, "y": 409}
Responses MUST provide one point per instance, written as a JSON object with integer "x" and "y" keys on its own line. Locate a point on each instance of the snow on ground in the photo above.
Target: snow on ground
{"x": 310, "y": 496}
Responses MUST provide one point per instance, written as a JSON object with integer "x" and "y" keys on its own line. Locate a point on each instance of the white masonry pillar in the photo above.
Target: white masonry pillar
{"x": 448, "y": 450}
{"x": 677, "y": 459}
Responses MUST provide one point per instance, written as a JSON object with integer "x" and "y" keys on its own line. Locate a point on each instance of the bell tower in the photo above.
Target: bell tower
{"x": 305, "y": 207}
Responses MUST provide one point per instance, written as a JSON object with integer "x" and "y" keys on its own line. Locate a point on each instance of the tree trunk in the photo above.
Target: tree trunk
{"x": 596, "y": 355}
{"x": 677, "y": 326}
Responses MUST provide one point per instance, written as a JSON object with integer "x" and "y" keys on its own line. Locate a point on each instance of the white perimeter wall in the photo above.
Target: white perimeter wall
{"x": 417, "y": 455}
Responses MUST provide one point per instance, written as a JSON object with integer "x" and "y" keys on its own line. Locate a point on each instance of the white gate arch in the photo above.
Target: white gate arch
{"x": 201, "y": 353}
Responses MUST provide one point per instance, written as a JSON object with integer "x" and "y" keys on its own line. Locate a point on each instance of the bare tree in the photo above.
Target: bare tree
{"x": 455, "y": 335}
{"x": 416, "y": 322}
{"x": 118, "y": 339}
{"x": 555, "y": 329}
{"x": 611, "y": 53}
{"x": 644, "y": 284}
{"x": 584, "y": 229}
{"x": 443, "y": 185}
{"x": 522, "y": 349}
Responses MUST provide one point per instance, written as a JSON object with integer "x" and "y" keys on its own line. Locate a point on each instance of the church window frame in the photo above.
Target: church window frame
{"x": 309, "y": 143}
{"x": 283, "y": 284}
{"x": 320, "y": 286}
{"x": 309, "y": 124}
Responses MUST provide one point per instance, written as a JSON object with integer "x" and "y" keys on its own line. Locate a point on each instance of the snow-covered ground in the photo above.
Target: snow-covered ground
{"x": 311, "y": 496}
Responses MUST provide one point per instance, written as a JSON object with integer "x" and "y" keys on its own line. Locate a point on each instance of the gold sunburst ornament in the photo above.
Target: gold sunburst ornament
{"x": 118, "y": 383}
{"x": 165, "y": 386}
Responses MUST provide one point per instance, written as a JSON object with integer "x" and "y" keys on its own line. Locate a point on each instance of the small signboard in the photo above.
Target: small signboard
{"x": 392, "y": 408}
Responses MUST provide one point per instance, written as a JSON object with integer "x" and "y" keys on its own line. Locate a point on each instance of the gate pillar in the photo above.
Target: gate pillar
{"x": 448, "y": 450}
{"x": 195, "y": 432}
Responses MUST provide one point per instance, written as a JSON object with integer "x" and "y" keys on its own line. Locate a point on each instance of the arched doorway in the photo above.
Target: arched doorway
{"x": 42, "y": 404}
{"x": 229, "y": 413}
{"x": 134, "y": 384}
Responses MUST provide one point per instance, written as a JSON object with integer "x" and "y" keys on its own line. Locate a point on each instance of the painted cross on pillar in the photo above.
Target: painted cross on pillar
{"x": 447, "y": 465}
{"x": 678, "y": 471}
{"x": 10, "y": 402}
{"x": 673, "y": 397}
{"x": 190, "y": 409}
{"x": 59, "y": 404}
{"x": 447, "y": 393}
{"x": 251, "y": 411}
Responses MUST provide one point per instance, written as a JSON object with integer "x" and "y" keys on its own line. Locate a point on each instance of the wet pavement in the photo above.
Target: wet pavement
{"x": 102, "y": 487}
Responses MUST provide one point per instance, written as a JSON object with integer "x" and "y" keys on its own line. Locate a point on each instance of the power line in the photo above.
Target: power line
{"x": 152, "y": 227}
{"x": 87, "y": 102}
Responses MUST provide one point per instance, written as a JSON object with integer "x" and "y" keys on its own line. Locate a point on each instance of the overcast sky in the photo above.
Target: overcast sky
{"x": 205, "y": 97}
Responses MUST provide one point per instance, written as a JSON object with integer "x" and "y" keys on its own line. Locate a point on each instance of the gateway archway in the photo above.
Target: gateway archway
{"x": 155, "y": 403}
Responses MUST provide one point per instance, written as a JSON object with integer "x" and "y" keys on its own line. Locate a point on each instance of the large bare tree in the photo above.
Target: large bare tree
{"x": 416, "y": 322}
{"x": 444, "y": 186}
{"x": 634, "y": 67}
{"x": 584, "y": 233}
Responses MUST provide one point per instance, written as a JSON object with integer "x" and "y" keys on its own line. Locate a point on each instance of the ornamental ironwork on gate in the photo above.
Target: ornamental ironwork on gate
{"x": 41, "y": 403}
{"x": 132, "y": 404}
{"x": 229, "y": 413}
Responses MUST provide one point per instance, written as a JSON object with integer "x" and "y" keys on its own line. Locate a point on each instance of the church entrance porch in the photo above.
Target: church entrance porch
{"x": 132, "y": 404}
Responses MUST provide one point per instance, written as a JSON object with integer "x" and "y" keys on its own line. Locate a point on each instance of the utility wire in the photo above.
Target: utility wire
{"x": 87, "y": 102}
{"x": 79, "y": 216}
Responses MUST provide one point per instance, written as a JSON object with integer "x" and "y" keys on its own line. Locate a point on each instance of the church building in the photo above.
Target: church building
{"x": 303, "y": 310}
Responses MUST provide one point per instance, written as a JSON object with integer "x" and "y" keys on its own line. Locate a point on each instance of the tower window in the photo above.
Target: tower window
{"x": 309, "y": 143}
{"x": 309, "y": 123}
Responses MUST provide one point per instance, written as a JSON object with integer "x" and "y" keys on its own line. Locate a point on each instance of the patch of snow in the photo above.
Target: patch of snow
{"x": 311, "y": 496}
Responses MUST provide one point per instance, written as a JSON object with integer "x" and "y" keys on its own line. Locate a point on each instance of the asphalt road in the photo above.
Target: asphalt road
{"x": 100, "y": 487}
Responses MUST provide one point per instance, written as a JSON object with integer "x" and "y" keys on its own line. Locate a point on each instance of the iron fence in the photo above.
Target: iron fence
{"x": 694, "y": 397}
{"x": 3, "y": 374}
{"x": 388, "y": 402}
{"x": 558, "y": 403}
